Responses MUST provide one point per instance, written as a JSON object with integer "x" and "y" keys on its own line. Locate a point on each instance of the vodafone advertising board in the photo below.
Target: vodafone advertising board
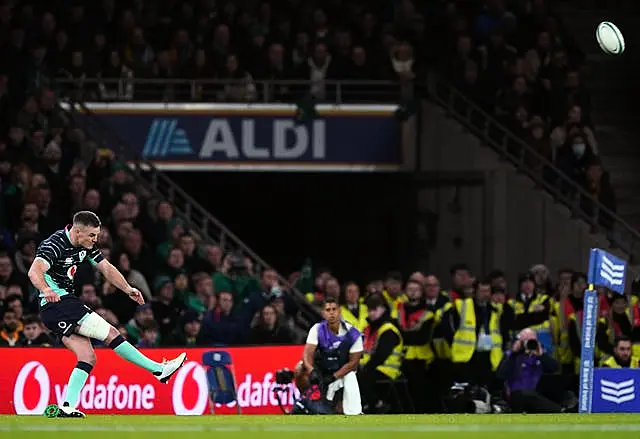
{"x": 33, "y": 378}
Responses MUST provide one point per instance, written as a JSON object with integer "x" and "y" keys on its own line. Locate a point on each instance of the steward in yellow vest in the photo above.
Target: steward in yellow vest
{"x": 393, "y": 293}
{"x": 383, "y": 352}
{"x": 439, "y": 371}
{"x": 416, "y": 326}
{"x": 620, "y": 319}
{"x": 353, "y": 310}
{"x": 438, "y": 302}
{"x": 383, "y": 344}
{"x": 621, "y": 355}
{"x": 533, "y": 310}
{"x": 477, "y": 339}
{"x": 564, "y": 312}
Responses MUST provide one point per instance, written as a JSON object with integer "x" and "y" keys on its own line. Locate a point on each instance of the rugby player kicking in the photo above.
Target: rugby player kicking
{"x": 52, "y": 273}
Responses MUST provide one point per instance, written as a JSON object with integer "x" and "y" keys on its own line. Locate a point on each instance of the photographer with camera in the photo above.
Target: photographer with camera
{"x": 331, "y": 356}
{"x": 522, "y": 370}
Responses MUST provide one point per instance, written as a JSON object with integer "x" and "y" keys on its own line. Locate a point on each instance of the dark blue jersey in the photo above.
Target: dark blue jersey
{"x": 63, "y": 259}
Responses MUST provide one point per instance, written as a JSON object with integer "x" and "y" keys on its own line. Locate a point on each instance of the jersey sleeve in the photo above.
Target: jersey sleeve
{"x": 95, "y": 256}
{"x": 357, "y": 346}
{"x": 48, "y": 253}
{"x": 312, "y": 337}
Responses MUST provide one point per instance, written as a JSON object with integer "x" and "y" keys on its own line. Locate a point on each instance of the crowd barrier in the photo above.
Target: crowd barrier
{"x": 36, "y": 377}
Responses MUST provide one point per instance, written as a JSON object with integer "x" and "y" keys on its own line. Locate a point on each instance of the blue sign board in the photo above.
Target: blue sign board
{"x": 252, "y": 137}
{"x": 616, "y": 391}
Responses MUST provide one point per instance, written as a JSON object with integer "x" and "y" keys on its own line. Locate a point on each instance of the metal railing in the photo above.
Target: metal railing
{"x": 158, "y": 185}
{"x": 513, "y": 149}
{"x": 220, "y": 90}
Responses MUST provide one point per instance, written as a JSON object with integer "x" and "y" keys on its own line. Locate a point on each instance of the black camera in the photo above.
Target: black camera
{"x": 284, "y": 377}
{"x": 531, "y": 345}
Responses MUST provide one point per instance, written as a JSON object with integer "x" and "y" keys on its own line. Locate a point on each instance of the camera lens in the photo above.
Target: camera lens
{"x": 531, "y": 345}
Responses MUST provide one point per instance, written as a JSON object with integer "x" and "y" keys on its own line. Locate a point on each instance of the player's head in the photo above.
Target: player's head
{"x": 331, "y": 310}
{"x": 86, "y": 228}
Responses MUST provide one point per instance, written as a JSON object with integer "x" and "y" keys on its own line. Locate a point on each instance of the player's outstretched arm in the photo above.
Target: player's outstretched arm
{"x": 36, "y": 275}
{"x": 113, "y": 275}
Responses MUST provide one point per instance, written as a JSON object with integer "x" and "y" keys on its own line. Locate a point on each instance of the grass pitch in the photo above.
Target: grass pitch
{"x": 324, "y": 427}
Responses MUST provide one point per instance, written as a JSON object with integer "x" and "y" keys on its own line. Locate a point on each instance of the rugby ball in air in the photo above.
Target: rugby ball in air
{"x": 610, "y": 38}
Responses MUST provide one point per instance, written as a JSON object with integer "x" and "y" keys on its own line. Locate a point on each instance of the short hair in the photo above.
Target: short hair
{"x": 394, "y": 276}
{"x": 87, "y": 219}
{"x": 329, "y": 300}
{"x": 478, "y": 282}
{"x": 149, "y": 325}
{"x": 577, "y": 276}
{"x": 13, "y": 298}
{"x": 620, "y": 338}
{"x": 415, "y": 282}
{"x": 375, "y": 300}
{"x": 31, "y": 319}
{"x": 459, "y": 267}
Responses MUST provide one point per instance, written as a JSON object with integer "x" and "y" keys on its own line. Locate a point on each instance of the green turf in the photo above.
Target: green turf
{"x": 326, "y": 427}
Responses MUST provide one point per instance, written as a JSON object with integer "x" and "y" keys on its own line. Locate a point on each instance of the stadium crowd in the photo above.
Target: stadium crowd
{"x": 515, "y": 60}
{"x": 512, "y": 58}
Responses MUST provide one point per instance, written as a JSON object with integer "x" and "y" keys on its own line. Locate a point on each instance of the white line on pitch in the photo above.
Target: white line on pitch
{"x": 327, "y": 429}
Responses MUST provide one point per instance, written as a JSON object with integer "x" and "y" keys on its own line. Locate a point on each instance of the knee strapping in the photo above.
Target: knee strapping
{"x": 95, "y": 327}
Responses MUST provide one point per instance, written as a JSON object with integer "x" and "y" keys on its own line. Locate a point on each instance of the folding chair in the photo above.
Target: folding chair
{"x": 221, "y": 379}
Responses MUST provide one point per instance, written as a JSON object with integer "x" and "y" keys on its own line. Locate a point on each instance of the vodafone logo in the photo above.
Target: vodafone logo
{"x": 36, "y": 370}
{"x": 191, "y": 379}
{"x": 71, "y": 272}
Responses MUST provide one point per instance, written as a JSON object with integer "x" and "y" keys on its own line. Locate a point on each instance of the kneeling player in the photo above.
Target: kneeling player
{"x": 62, "y": 312}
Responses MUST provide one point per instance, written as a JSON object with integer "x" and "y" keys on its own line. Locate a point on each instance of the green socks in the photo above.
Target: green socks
{"x": 127, "y": 351}
{"x": 77, "y": 379}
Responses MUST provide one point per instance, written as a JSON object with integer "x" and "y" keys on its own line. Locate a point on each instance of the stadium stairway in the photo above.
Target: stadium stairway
{"x": 527, "y": 220}
{"x": 612, "y": 81}
{"x": 157, "y": 185}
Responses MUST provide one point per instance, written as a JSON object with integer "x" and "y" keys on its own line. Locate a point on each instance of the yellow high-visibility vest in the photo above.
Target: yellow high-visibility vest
{"x": 393, "y": 303}
{"x": 563, "y": 352}
{"x": 441, "y": 347}
{"x": 544, "y": 331}
{"x": 391, "y": 366}
{"x": 611, "y": 362}
{"x": 416, "y": 352}
{"x": 465, "y": 339}
{"x": 359, "y": 322}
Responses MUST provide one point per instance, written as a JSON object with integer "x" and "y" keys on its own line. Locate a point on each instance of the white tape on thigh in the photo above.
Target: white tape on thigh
{"x": 94, "y": 326}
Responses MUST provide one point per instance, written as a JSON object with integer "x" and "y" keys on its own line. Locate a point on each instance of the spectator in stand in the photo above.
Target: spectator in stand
{"x": 538, "y": 139}
{"x": 149, "y": 335}
{"x": 597, "y": 183}
{"x": 188, "y": 332}
{"x": 220, "y": 327}
{"x": 573, "y": 125}
{"x": 34, "y": 334}
{"x": 11, "y": 333}
{"x": 268, "y": 331}
{"x": 134, "y": 277}
{"x": 89, "y": 297}
{"x": 164, "y": 307}
{"x": 143, "y": 314}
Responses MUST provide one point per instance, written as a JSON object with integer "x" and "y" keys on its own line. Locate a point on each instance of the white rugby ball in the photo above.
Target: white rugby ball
{"x": 610, "y": 38}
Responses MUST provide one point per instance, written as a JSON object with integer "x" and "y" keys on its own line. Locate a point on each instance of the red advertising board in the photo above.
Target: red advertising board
{"x": 32, "y": 378}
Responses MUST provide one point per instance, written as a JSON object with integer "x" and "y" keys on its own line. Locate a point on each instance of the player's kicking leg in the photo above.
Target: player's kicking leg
{"x": 94, "y": 326}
